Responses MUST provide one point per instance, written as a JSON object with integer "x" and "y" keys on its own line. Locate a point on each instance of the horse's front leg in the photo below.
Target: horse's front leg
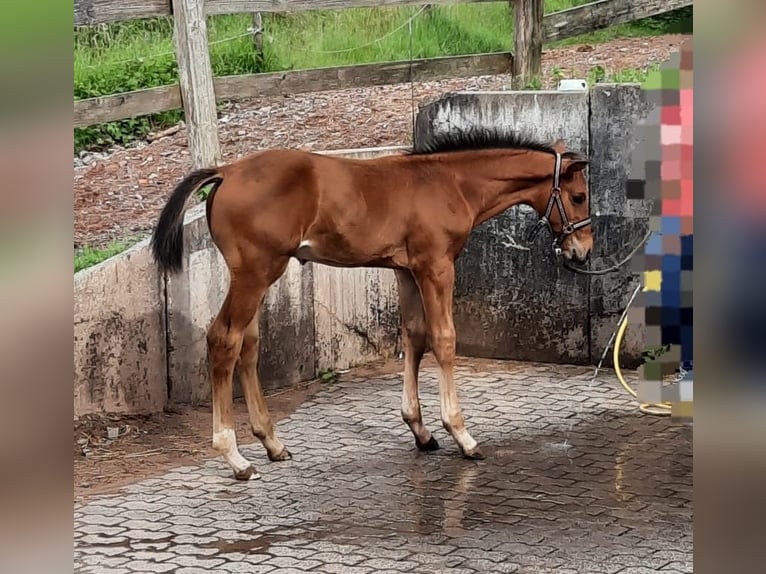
{"x": 437, "y": 282}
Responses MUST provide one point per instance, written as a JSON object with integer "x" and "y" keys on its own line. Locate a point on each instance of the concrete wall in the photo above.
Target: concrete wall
{"x": 511, "y": 303}
{"x": 140, "y": 343}
{"x": 139, "y": 348}
{"x": 356, "y": 316}
{"x": 516, "y": 304}
{"x": 619, "y": 223}
{"x": 119, "y": 336}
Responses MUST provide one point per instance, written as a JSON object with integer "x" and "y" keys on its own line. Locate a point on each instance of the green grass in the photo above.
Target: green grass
{"x": 125, "y": 56}
{"x": 598, "y": 74}
{"x": 88, "y": 257}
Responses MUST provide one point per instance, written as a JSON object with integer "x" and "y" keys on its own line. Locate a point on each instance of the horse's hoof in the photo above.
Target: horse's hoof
{"x": 248, "y": 474}
{"x": 474, "y": 454}
{"x": 284, "y": 455}
{"x": 429, "y": 446}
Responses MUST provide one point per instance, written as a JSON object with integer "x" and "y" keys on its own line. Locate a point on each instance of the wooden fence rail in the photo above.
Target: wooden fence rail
{"x": 89, "y": 12}
{"x": 603, "y": 14}
{"x": 228, "y": 88}
{"x": 198, "y": 91}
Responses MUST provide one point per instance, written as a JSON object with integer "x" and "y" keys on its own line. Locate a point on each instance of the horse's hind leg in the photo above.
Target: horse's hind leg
{"x": 225, "y": 339}
{"x": 414, "y": 344}
{"x": 260, "y": 418}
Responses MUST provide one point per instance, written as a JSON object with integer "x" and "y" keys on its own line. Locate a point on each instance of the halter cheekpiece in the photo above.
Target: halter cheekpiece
{"x": 555, "y": 199}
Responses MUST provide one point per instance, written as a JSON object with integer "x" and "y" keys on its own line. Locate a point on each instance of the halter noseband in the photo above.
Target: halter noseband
{"x": 555, "y": 198}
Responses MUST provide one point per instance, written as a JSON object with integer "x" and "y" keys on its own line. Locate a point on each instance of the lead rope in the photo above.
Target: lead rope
{"x": 614, "y": 267}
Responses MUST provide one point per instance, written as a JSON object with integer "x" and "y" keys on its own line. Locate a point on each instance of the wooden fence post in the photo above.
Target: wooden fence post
{"x": 195, "y": 77}
{"x": 258, "y": 38}
{"x": 527, "y": 41}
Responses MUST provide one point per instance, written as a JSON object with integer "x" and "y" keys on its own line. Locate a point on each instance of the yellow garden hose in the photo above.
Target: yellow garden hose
{"x": 659, "y": 409}
{"x": 655, "y": 277}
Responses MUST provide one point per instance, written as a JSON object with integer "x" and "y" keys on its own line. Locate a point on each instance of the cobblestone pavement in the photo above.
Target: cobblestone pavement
{"x": 576, "y": 480}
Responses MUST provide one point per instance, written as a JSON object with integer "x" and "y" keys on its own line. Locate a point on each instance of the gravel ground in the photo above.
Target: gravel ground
{"x": 118, "y": 194}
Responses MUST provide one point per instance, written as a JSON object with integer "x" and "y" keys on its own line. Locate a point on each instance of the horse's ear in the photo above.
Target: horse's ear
{"x": 573, "y": 162}
{"x": 576, "y": 166}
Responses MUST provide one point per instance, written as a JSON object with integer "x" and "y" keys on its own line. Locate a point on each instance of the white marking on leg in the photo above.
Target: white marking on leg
{"x": 305, "y": 243}
{"x": 452, "y": 416}
{"x": 225, "y": 442}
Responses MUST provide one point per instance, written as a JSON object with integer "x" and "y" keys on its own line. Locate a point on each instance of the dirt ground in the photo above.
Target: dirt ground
{"x": 118, "y": 194}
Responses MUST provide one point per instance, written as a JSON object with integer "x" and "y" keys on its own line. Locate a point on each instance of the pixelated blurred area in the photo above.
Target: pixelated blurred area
{"x": 35, "y": 284}
{"x": 736, "y": 212}
{"x": 663, "y": 174}
{"x": 730, "y": 467}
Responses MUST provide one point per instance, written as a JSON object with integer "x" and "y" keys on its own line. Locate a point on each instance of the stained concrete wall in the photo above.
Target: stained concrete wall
{"x": 511, "y": 303}
{"x": 140, "y": 343}
{"x": 516, "y": 304}
{"x": 119, "y": 336}
{"x": 356, "y": 316}
{"x": 618, "y": 223}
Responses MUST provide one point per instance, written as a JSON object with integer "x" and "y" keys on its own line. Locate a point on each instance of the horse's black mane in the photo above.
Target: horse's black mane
{"x": 477, "y": 138}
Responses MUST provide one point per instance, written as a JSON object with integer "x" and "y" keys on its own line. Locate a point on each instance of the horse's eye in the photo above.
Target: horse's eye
{"x": 578, "y": 199}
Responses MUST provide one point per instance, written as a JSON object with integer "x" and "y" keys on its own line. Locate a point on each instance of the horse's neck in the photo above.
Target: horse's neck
{"x": 494, "y": 184}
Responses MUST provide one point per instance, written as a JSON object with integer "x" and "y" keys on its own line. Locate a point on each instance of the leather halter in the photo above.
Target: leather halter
{"x": 555, "y": 199}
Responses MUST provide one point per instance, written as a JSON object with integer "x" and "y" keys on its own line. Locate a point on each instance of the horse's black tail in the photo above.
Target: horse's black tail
{"x": 168, "y": 239}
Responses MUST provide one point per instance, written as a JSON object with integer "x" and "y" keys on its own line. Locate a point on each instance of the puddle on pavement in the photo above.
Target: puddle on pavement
{"x": 443, "y": 497}
{"x": 260, "y": 544}
{"x": 521, "y": 485}
{"x": 329, "y": 531}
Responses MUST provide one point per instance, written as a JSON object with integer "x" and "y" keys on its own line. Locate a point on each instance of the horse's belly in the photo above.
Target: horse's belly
{"x": 316, "y": 253}
{"x": 310, "y": 251}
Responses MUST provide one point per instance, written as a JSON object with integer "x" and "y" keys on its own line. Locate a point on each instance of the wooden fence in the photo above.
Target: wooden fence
{"x": 198, "y": 91}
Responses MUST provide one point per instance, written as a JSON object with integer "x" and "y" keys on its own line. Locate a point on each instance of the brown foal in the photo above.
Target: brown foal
{"x": 411, "y": 213}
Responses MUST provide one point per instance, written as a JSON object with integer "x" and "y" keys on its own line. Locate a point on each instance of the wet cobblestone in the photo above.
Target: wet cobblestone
{"x": 576, "y": 479}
